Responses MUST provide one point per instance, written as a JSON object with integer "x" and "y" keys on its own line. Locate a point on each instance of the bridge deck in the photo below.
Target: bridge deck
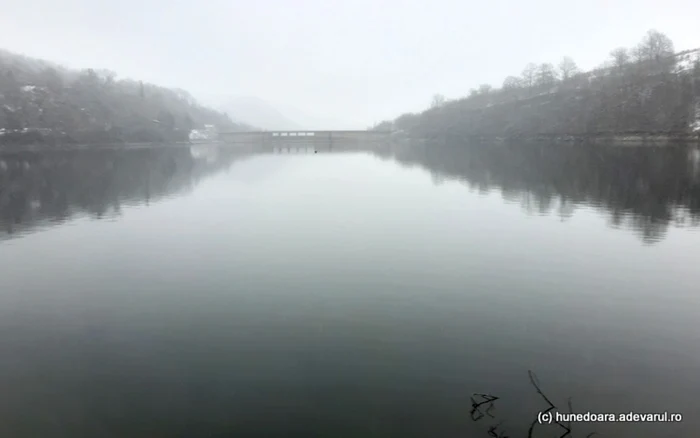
{"x": 365, "y": 132}
{"x": 307, "y": 135}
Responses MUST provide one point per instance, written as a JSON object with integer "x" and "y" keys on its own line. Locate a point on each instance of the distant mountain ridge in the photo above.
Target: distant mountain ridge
{"x": 265, "y": 115}
{"x": 254, "y": 111}
{"x": 309, "y": 121}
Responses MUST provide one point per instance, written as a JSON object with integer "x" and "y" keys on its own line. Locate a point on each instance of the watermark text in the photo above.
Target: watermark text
{"x": 549, "y": 417}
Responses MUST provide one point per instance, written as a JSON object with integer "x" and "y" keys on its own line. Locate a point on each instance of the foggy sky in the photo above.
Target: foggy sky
{"x": 359, "y": 61}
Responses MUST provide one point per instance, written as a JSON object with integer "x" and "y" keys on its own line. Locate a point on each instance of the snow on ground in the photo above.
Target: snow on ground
{"x": 695, "y": 124}
{"x": 686, "y": 61}
{"x": 208, "y": 133}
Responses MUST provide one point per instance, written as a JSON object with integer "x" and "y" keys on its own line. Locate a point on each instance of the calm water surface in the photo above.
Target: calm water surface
{"x": 211, "y": 292}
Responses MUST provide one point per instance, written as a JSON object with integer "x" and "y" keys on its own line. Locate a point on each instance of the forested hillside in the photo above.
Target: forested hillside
{"x": 649, "y": 89}
{"x": 44, "y": 103}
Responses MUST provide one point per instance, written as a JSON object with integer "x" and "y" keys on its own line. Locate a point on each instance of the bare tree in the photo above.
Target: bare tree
{"x": 107, "y": 77}
{"x": 567, "y": 68}
{"x": 485, "y": 88}
{"x": 620, "y": 58}
{"x": 511, "y": 82}
{"x": 546, "y": 75}
{"x": 637, "y": 54}
{"x": 654, "y": 46}
{"x": 438, "y": 101}
{"x": 529, "y": 75}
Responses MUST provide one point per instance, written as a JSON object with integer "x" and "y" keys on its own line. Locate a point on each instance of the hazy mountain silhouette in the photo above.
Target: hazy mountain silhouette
{"x": 254, "y": 111}
{"x": 310, "y": 121}
{"x": 258, "y": 112}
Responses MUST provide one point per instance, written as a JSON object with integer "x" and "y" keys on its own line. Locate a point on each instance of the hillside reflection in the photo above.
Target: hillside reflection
{"x": 643, "y": 189}
{"x": 41, "y": 189}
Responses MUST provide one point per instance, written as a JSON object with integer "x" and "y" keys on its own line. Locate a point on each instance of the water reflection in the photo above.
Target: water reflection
{"x": 643, "y": 189}
{"x": 40, "y": 189}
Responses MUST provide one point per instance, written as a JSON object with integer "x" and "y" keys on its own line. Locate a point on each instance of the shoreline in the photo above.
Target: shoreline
{"x": 96, "y": 147}
{"x": 608, "y": 140}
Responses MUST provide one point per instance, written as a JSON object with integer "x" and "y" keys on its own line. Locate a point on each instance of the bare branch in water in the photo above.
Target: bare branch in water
{"x": 487, "y": 399}
{"x": 535, "y": 383}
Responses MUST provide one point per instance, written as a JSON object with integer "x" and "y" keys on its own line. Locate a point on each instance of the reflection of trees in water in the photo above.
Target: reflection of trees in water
{"x": 40, "y": 188}
{"x": 645, "y": 189}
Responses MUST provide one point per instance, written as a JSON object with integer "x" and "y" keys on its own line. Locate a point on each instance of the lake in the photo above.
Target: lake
{"x": 344, "y": 292}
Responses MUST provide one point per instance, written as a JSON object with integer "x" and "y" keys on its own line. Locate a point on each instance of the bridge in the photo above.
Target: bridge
{"x": 304, "y": 137}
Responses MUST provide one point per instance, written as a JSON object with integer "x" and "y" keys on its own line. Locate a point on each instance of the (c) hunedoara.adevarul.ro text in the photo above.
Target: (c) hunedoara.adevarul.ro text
{"x": 596, "y": 417}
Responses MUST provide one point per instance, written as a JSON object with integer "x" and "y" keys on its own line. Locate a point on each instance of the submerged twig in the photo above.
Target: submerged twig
{"x": 488, "y": 399}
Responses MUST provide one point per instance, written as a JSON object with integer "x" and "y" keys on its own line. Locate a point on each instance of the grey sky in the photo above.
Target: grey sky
{"x": 358, "y": 61}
